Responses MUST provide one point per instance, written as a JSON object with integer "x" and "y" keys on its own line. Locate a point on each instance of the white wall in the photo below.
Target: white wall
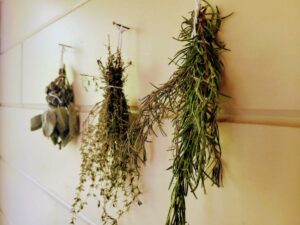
{"x": 261, "y": 185}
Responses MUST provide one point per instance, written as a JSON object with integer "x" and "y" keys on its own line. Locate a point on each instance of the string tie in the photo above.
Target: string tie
{"x": 111, "y": 86}
{"x": 196, "y": 14}
{"x": 62, "y": 57}
{"x": 120, "y": 36}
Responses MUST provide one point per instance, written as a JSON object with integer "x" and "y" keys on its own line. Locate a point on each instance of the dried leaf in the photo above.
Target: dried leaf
{"x": 36, "y": 122}
{"x": 48, "y": 122}
{"x": 62, "y": 119}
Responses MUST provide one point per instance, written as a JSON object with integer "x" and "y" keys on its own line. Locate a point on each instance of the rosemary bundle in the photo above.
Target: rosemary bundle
{"x": 109, "y": 171}
{"x": 61, "y": 121}
{"x": 190, "y": 98}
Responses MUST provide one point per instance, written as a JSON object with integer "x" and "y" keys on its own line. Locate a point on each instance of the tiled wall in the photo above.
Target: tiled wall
{"x": 37, "y": 181}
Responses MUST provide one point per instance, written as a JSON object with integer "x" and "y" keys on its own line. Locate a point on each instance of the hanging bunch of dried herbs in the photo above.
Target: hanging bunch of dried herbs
{"x": 61, "y": 121}
{"x": 190, "y": 98}
{"x": 109, "y": 171}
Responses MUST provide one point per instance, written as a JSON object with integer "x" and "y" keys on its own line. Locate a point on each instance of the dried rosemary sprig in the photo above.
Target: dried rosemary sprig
{"x": 190, "y": 98}
{"x": 109, "y": 171}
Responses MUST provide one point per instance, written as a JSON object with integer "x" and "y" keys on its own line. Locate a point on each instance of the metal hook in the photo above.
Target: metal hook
{"x": 121, "y": 29}
{"x": 87, "y": 75}
{"x": 120, "y": 25}
{"x": 63, "y": 49}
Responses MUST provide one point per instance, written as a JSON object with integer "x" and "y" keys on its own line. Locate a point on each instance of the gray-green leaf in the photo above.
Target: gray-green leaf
{"x": 36, "y": 122}
{"x": 48, "y": 122}
{"x": 62, "y": 119}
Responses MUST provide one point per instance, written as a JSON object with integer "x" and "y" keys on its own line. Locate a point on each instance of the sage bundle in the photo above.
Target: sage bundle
{"x": 190, "y": 99}
{"x": 109, "y": 171}
{"x": 61, "y": 121}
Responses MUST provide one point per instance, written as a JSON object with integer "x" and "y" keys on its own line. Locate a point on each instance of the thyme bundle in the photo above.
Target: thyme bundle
{"x": 190, "y": 98}
{"x": 109, "y": 171}
{"x": 61, "y": 121}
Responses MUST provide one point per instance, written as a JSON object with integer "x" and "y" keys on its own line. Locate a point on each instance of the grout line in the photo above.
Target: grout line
{"x": 48, "y": 192}
{"x": 269, "y": 117}
{"x": 22, "y": 77}
{"x": 81, "y": 108}
{"x": 47, "y": 24}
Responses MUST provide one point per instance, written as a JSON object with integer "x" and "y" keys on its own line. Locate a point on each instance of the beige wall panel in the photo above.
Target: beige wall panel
{"x": 262, "y": 70}
{"x": 23, "y": 203}
{"x": 261, "y": 163}
{"x": 264, "y": 77}
{"x": 261, "y": 185}
{"x": 38, "y": 157}
{"x": 22, "y": 17}
{"x": 10, "y": 76}
{"x": 261, "y": 171}
{"x": 148, "y": 45}
{"x": 3, "y": 220}
{"x": 59, "y": 170}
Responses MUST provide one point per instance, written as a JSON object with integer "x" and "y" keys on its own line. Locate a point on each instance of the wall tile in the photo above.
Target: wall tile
{"x": 10, "y": 76}
{"x": 264, "y": 77}
{"x": 260, "y": 177}
{"x": 38, "y": 156}
{"x": 261, "y": 69}
{"x": 25, "y": 203}
{"x": 87, "y": 30}
{"x": 20, "y": 18}
{"x": 261, "y": 72}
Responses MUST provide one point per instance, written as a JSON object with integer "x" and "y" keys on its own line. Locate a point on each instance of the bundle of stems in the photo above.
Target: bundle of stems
{"x": 59, "y": 92}
{"x": 190, "y": 98}
{"x": 109, "y": 170}
{"x": 61, "y": 121}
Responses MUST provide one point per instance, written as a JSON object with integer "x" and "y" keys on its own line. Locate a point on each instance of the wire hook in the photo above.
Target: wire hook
{"x": 120, "y": 25}
{"x": 121, "y": 30}
{"x": 63, "y": 49}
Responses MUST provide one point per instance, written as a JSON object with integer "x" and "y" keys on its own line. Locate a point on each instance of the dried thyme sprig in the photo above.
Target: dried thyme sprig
{"x": 109, "y": 170}
{"x": 190, "y": 98}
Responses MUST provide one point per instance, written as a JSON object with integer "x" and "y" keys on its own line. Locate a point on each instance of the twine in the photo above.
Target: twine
{"x": 196, "y": 13}
{"x": 120, "y": 36}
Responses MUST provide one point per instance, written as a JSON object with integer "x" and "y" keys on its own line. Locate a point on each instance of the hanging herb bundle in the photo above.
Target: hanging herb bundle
{"x": 109, "y": 171}
{"x": 190, "y": 98}
{"x": 61, "y": 121}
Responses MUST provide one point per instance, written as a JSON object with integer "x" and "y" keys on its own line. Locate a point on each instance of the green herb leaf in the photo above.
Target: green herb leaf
{"x": 109, "y": 171}
{"x": 190, "y": 99}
